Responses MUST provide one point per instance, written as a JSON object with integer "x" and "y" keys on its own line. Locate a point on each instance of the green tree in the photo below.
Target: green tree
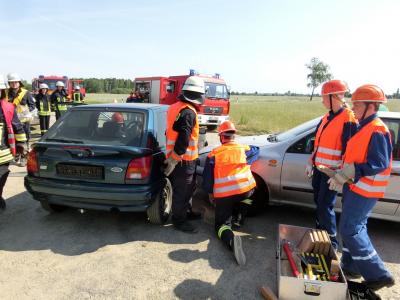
{"x": 319, "y": 73}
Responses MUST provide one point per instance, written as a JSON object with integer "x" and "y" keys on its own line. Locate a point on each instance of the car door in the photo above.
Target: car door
{"x": 295, "y": 185}
{"x": 391, "y": 202}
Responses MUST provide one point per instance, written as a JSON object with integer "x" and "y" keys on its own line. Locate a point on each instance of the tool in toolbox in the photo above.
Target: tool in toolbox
{"x": 310, "y": 269}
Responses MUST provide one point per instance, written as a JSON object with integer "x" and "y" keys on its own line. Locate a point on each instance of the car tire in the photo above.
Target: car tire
{"x": 211, "y": 127}
{"x": 52, "y": 208}
{"x": 160, "y": 209}
{"x": 259, "y": 197}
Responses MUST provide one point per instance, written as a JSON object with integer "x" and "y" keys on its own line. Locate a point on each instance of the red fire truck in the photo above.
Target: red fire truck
{"x": 52, "y": 80}
{"x": 165, "y": 90}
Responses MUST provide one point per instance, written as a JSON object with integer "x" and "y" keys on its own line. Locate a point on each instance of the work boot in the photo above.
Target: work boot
{"x": 185, "y": 227}
{"x": 2, "y": 204}
{"x": 193, "y": 215}
{"x": 238, "y": 250}
{"x": 350, "y": 274}
{"x": 378, "y": 284}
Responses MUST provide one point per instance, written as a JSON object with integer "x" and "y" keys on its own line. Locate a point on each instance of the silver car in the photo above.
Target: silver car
{"x": 280, "y": 169}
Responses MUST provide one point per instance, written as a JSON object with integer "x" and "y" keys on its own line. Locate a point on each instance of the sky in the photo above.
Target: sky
{"x": 258, "y": 46}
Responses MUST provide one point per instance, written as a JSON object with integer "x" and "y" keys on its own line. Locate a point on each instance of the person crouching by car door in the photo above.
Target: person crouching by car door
{"x": 43, "y": 106}
{"x": 227, "y": 176}
{"x": 182, "y": 150}
{"x": 333, "y": 132}
{"x": 12, "y": 138}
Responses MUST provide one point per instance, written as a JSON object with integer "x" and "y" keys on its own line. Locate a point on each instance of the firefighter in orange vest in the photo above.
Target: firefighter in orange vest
{"x": 333, "y": 132}
{"x": 363, "y": 179}
{"x": 12, "y": 137}
{"x": 228, "y": 177}
{"x": 182, "y": 151}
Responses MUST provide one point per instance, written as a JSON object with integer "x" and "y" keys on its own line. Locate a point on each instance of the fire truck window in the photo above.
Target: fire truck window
{"x": 170, "y": 87}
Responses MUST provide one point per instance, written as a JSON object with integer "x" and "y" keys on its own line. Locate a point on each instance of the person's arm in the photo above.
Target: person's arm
{"x": 184, "y": 126}
{"x": 30, "y": 101}
{"x": 378, "y": 157}
{"x": 37, "y": 102}
{"x": 349, "y": 129}
{"x": 19, "y": 133}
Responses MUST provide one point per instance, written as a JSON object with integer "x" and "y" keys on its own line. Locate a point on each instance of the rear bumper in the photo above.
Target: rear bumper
{"x": 211, "y": 119}
{"x": 92, "y": 195}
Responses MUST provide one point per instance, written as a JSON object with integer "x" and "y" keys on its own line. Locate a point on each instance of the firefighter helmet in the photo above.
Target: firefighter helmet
{"x": 13, "y": 77}
{"x": 226, "y": 128}
{"x": 43, "y": 86}
{"x": 193, "y": 90}
{"x": 334, "y": 87}
{"x": 3, "y": 84}
{"x": 117, "y": 117}
{"x": 369, "y": 93}
{"x": 60, "y": 83}
{"x": 77, "y": 87}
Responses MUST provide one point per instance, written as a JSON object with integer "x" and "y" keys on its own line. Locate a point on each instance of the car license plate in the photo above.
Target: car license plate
{"x": 79, "y": 171}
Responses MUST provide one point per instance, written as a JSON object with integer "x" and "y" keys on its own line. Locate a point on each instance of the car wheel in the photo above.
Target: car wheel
{"x": 211, "y": 127}
{"x": 160, "y": 209}
{"x": 259, "y": 197}
{"x": 52, "y": 208}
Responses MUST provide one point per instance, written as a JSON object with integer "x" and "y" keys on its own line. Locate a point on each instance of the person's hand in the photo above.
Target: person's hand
{"x": 328, "y": 171}
{"x": 170, "y": 163}
{"x": 334, "y": 185}
{"x": 345, "y": 174}
{"x": 309, "y": 170}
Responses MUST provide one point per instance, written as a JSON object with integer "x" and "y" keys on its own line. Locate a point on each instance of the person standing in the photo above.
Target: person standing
{"x": 24, "y": 103}
{"x": 78, "y": 96}
{"x": 134, "y": 97}
{"x": 59, "y": 99}
{"x": 363, "y": 178}
{"x": 182, "y": 149}
{"x": 332, "y": 135}
{"x": 12, "y": 138}
{"x": 227, "y": 176}
{"x": 43, "y": 106}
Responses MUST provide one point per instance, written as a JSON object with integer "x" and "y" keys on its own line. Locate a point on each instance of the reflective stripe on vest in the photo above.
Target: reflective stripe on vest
{"x": 328, "y": 140}
{"x": 17, "y": 100}
{"x": 357, "y": 150}
{"x": 192, "y": 151}
{"x": 232, "y": 174}
{"x": 43, "y": 112}
{"x": 61, "y": 106}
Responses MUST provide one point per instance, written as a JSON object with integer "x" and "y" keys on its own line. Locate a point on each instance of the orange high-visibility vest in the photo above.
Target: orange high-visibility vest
{"x": 357, "y": 151}
{"x": 192, "y": 151}
{"x": 232, "y": 174}
{"x": 328, "y": 140}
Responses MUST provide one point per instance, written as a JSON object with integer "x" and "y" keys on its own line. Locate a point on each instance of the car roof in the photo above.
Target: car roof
{"x": 389, "y": 114}
{"x": 123, "y": 106}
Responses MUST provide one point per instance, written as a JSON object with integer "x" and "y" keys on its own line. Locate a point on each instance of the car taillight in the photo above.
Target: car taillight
{"x": 139, "y": 168}
{"x": 32, "y": 165}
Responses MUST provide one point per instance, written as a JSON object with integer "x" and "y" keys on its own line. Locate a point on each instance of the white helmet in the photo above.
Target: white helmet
{"x": 77, "y": 87}
{"x": 13, "y": 77}
{"x": 43, "y": 86}
{"x": 60, "y": 83}
{"x": 3, "y": 83}
{"x": 193, "y": 90}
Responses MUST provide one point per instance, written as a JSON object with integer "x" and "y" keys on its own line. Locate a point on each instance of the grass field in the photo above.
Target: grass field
{"x": 261, "y": 114}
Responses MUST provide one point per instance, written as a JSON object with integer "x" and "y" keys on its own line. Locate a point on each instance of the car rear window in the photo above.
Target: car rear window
{"x": 99, "y": 128}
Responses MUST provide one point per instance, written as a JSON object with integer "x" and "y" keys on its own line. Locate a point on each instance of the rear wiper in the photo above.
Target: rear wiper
{"x": 64, "y": 141}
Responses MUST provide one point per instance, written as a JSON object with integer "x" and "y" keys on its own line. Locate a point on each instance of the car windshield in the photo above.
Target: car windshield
{"x": 291, "y": 133}
{"x": 216, "y": 91}
{"x": 98, "y": 128}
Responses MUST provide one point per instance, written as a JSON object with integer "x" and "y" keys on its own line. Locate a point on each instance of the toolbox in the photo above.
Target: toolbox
{"x": 305, "y": 286}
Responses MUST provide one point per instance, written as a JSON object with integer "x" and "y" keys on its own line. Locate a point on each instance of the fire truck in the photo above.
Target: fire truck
{"x": 52, "y": 80}
{"x": 165, "y": 90}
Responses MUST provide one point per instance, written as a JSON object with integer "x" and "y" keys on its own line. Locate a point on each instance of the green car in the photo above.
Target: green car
{"x": 103, "y": 157}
